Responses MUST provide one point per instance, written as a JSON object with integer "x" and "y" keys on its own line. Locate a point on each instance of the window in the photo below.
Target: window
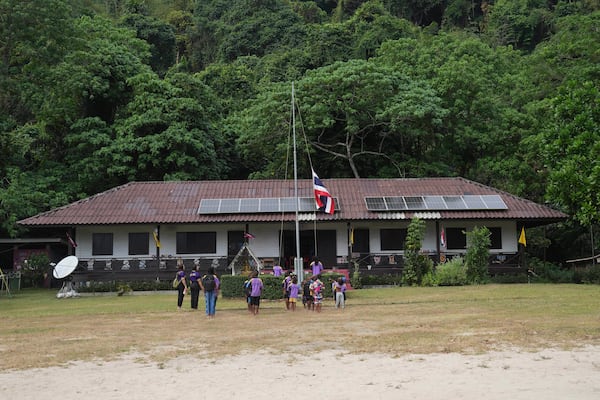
{"x": 102, "y": 244}
{"x": 138, "y": 243}
{"x": 196, "y": 242}
{"x": 361, "y": 241}
{"x": 235, "y": 241}
{"x": 392, "y": 239}
{"x": 495, "y": 238}
{"x": 456, "y": 239}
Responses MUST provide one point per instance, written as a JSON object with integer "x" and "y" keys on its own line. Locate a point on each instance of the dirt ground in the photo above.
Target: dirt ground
{"x": 547, "y": 374}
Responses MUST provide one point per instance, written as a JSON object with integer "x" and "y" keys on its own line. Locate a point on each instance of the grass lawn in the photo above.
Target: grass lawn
{"x": 37, "y": 329}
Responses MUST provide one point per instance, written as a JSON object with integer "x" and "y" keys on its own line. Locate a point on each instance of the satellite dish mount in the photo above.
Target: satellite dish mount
{"x": 63, "y": 271}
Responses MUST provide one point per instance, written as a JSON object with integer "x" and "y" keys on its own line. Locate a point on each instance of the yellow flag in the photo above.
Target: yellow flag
{"x": 522, "y": 239}
{"x": 351, "y": 236}
{"x": 156, "y": 241}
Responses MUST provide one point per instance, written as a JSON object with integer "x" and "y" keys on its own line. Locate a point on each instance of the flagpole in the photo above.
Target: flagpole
{"x": 298, "y": 265}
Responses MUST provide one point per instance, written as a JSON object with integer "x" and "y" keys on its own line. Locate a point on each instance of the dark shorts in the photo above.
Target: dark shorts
{"x": 255, "y": 300}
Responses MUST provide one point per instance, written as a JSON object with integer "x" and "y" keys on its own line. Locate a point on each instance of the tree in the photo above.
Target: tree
{"x": 573, "y": 151}
{"x": 168, "y": 132}
{"x": 416, "y": 264}
{"x": 159, "y": 35}
{"x": 478, "y": 254}
{"x": 520, "y": 23}
{"x": 368, "y": 115}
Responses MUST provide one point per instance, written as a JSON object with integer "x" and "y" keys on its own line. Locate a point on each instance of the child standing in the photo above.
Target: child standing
{"x": 285, "y": 288}
{"x": 257, "y": 287}
{"x": 317, "y": 289}
{"x": 307, "y": 297}
{"x": 339, "y": 288}
{"x": 294, "y": 289}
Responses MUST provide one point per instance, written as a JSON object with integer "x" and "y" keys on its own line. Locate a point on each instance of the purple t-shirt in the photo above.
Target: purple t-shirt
{"x": 180, "y": 275}
{"x": 257, "y": 286}
{"x": 277, "y": 270}
{"x": 317, "y": 267}
{"x": 294, "y": 289}
{"x": 339, "y": 288}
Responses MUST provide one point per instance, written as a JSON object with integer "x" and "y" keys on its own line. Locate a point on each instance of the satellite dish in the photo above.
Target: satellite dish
{"x": 65, "y": 267}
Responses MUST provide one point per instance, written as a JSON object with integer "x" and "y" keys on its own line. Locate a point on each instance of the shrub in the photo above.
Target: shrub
{"x": 451, "y": 273}
{"x": 478, "y": 254}
{"x": 552, "y": 273}
{"x": 356, "y": 279}
{"x": 591, "y": 275}
{"x": 386, "y": 279}
{"x": 233, "y": 286}
{"x": 416, "y": 264}
{"x": 35, "y": 269}
{"x": 510, "y": 278}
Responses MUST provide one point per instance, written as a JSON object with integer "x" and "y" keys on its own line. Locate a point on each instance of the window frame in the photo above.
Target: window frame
{"x": 138, "y": 243}
{"x": 102, "y": 244}
{"x": 388, "y": 237}
{"x": 193, "y": 242}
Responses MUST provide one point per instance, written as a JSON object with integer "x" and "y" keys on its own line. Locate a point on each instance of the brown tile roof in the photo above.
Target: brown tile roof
{"x": 178, "y": 202}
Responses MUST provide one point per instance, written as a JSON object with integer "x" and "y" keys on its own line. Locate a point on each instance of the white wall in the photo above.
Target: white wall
{"x": 266, "y": 242}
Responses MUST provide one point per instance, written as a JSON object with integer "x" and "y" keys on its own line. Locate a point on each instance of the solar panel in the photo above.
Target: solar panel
{"x": 474, "y": 203}
{"x": 375, "y": 203}
{"x": 230, "y": 205}
{"x": 415, "y": 203}
{"x": 270, "y": 204}
{"x": 494, "y": 202}
{"x": 209, "y": 206}
{"x": 258, "y": 205}
{"x": 395, "y": 203}
{"x": 435, "y": 202}
{"x": 455, "y": 202}
{"x": 308, "y": 204}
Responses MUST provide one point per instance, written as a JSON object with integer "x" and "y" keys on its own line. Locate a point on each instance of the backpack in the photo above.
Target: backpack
{"x": 248, "y": 287}
{"x": 208, "y": 281}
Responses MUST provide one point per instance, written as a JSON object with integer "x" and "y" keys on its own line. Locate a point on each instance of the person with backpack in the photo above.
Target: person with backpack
{"x": 286, "y": 290}
{"x": 181, "y": 284}
{"x": 210, "y": 286}
{"x": 194, "y": 287}
{"x": 247, "y": 292}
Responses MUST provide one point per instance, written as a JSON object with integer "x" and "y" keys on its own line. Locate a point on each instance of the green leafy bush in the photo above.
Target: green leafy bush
{"x": 550, "y": 273}
{"x": 591, "y": 275}
{"x": 35, "y": 270}
{"x": 451, "y": 273}
{"x": 383, "y": 280}
{"x": 117, "y": 286}
{"x": 416, "y": 264}
{"x": 478, "y": 254}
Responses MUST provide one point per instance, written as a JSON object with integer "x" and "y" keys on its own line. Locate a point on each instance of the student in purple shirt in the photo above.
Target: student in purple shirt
{"x": 194, "y": 287}
{"x": 317, "y": 266}
{"x": 210, "y": 286}
{"x": 182, "y": 287}
{"x": 294, "y": 290}
{"x": 277, "y": 270}
{"x": 257, "y": 287}
{"x": 339, "y": 289}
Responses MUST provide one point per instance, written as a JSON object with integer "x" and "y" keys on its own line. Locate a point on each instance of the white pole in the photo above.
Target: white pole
{"x": 298, "y": 264}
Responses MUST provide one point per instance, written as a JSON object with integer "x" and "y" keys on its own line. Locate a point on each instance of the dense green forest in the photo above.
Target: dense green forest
{"x": 96, "y": 93}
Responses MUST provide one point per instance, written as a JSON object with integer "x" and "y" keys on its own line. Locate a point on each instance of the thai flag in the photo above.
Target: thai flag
{"x": 71, "y": 241}
{"x": 322, "y": 196}
{"x": 248, "y": 235}
{"x": 443, "y": 238}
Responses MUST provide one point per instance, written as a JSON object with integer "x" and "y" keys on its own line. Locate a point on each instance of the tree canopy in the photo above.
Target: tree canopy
{"x": 97, "y": 93}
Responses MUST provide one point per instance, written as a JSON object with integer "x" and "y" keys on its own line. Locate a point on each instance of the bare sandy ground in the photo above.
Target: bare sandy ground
{"x": 548, "y": 374}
